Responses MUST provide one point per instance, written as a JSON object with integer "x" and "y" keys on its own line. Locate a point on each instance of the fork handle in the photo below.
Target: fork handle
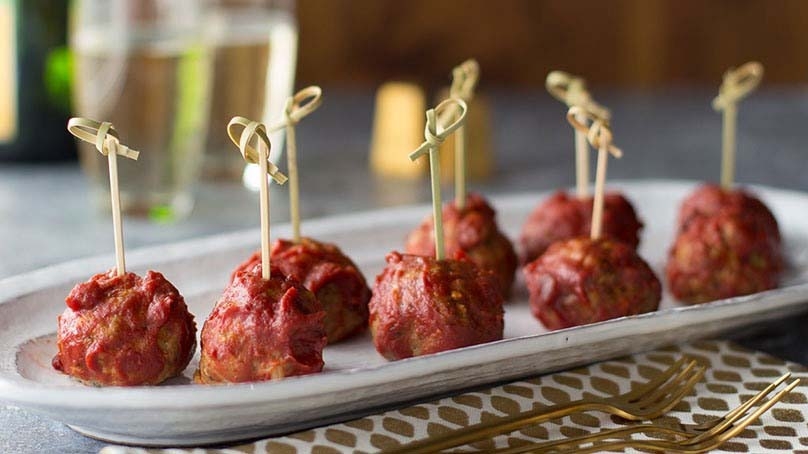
{"x": 507, "y": 424}
{"x": 651, "y": 445}
{"x": 568, "y": 443}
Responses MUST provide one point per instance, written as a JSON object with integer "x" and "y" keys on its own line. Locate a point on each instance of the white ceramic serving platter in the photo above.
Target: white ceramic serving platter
{"x": 356, "y": 380}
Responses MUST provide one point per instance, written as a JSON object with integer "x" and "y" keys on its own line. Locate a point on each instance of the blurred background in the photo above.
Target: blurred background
{"x": 359, "y": 44}
{"x": 169, "y": 74}
{"x": 618, "y": 43}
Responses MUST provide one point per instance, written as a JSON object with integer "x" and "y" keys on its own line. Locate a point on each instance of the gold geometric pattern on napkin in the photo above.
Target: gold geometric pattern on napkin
{"x": 734, "y": 374}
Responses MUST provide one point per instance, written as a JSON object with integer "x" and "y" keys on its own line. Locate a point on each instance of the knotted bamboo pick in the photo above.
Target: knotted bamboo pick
{"x": 295, "y": 111}
{"x": 599, "y": 136}
{"x": 737, "y": 84}
{"x": 258, "y": 154}
{"x": 435, "y": 133}
{"x": 464, "y": 80}
{"x": 105, "y": 138}
{"x": 571, "y": 90}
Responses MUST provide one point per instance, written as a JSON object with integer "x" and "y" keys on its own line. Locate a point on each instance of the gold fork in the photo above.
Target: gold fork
{"x": 693, "y": 438}
{"x": 647, "y": 401}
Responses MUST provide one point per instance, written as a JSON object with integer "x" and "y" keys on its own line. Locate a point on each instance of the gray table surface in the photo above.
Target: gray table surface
{"x": 670, "y": 134}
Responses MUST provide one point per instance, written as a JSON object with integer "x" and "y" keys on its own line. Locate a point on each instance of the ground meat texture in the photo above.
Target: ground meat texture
{"x": 581, "y": 281}
{"x": 710, "y": 200}
{"x": 563, "y": 216}
{"x": 262, "y": 330}
{"x": 472, "y": 230}
{"x": 333, "y": 278}
{"x": 728, "y": 244}
{"x": 124, "y": 331}
{"x": 421, "y": 305}
{"x": 723, "y": 255}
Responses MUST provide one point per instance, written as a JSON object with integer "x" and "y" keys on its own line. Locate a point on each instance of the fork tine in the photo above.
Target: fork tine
{"x": 741, "y": 424}
{"x": 756, "y": 398}
{"x": 733, "y": 430}
{"x": 661, "y": 391}
{"x": 657, "y": 381}
{"x": 716, "y": 438}
{"x": 728, "y": 419}
{"x": 665, "y": 405}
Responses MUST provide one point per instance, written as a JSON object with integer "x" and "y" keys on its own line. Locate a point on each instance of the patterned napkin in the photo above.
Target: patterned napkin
{"x": 734, "y": 374}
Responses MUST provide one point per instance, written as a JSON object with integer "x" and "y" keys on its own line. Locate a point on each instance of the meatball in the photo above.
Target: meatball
{"x": 421, "y": 305}
{"x": 729, "y": 253}
{"x": 472, "y": 230}
{"x": 582, "y": 281}
{"x": 124, "y": 331}
{"x": 333, "y": 278}
{"x": 261, "y": 330}
{"x": 563, "y": 216}
{"x": 710, "y": 199}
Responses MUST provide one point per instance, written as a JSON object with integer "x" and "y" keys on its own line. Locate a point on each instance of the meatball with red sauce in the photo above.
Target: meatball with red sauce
{"x": 581, "y": 281}
{"x": 728, "y": 244}
{"x": 333, "y": 278}
{"x": 565, "y": 216}
{"x": 711, "y": 199}
{"x": 124, "y": 331}
{"x": 262, "y": 330}
{"x": 472, "y": 230}
{"x": 421, "y": 305}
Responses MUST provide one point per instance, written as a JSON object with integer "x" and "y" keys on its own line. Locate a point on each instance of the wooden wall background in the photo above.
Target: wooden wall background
{"x": 637, "y": 43}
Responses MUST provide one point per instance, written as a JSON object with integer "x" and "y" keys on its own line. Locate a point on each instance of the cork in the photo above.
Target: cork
{"x": 398, "y": 128}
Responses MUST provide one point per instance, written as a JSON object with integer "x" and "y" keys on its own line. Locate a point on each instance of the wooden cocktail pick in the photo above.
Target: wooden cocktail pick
{"x": 571, "y": 90}
{"x": 464, "y": 80}
{"x": 258, "y": 154}
{"x": 296, "y": 109}
{"x": 737, "y": 84}
{"x": 105, "y": 138}
{"x": 435, "y": 133}
{"x": 479, "y": 158}
{"x": 599, "y": 136}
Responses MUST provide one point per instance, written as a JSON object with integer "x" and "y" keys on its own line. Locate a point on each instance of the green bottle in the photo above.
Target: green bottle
{"x": 34, "y": 81}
